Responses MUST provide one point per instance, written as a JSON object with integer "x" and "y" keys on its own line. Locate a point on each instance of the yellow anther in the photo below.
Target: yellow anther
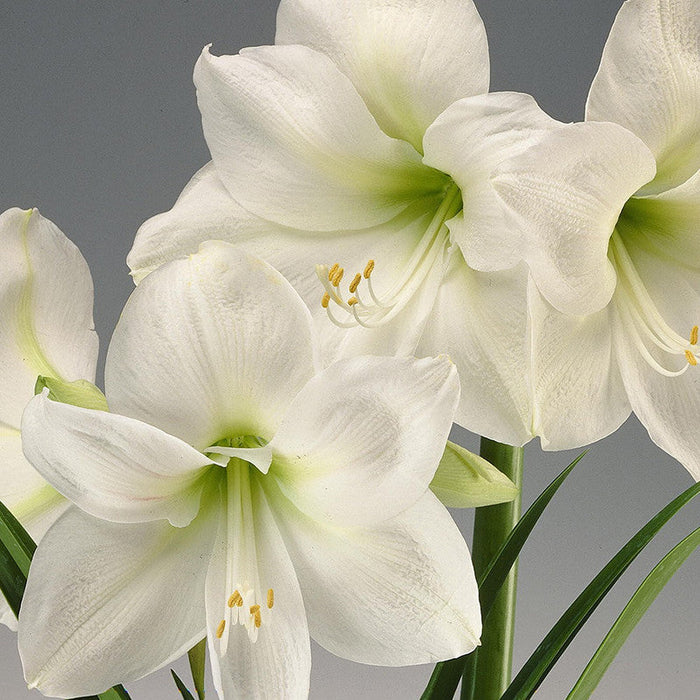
{"x": 352, "y": 301}
{"x": 235, "y": 599}
{"x": 355, "y": 282}
{"x": 694, "y": 336}
{"x": 337, "y": 277}
{"x": 254, "y": 609}
{"x": 325, "y": 299}
{"x": 368, "y": 269}
{"x": 220, "y": 629}
{"x": 270, "y": 597}
{"x": 257, "y": 618}
{"x": 692, "y": 360}
{"x": 332, "y": 271}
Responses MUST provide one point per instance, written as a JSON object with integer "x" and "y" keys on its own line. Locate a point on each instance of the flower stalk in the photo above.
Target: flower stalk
{"x": 488, "y": 670}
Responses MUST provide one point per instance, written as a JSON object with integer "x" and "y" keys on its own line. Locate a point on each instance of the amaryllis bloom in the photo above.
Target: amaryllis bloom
{"x": 637, "y": 270}
{"x": 236, "y": 491}
{"x": 358, "y": 155}
{"x": 46, "y": 328}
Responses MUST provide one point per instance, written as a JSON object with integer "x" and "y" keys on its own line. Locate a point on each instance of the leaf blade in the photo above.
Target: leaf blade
{"x": 632, "y": 613}
{"x": 559, "y": 637}
{"x": 197, "y": 657}
{"x": 186, "y": 695}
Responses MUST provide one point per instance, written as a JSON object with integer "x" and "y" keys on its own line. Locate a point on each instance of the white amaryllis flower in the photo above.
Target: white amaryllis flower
{"x": 364, "y": 142}
{"x": 46, "y": 328}
{"x": 316, "y": 517}
{"x": 638, "y": 270}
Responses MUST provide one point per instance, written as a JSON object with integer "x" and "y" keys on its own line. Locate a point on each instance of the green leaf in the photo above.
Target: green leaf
{"x": 639, "y": 603}
{"x": 445, "y": 677}
{"x": 186, "y": 695}
{"x": 197, "y": 656}
{"x": 466, "y": 480}
{"x": 16, "y": 551}
{"x": 79, "y": 393}
{"x": 559, "y": 637}
{"x": 15, "y": 538}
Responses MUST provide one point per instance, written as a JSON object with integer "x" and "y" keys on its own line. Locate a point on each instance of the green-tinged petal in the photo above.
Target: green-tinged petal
{"x": 45, "y": 310}
{"x": 399, "y": 593}
{"x": 667, "y": 223}
{"x": 112, "y": 466}
{"x": 210, "y": 347}
{"x": 78, "y": 393}
{"x": 480, "y": 321}
{"x": 109, "y": 602}
{"x": 466, "y": 480}
{"x": 649, "y": 81}
{"x": 409, "y": 60}
{"x": 577, "y": 389}
{"x": 362, "y": 440}
{"x": 278, "y": 663}
{"x": 568, "y": 191}
{"x": 205, "y": 210}
{"x": 293, "y": 142}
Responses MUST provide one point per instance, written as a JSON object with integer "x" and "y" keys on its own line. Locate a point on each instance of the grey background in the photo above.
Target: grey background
{"x": 99, "y": 129}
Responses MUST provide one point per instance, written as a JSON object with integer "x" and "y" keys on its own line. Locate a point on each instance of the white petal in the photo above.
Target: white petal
{"x": 294, "y": 143}
{"x": 211, "y": 347}
{"x": 113, "y": 467}
{"x": 45, "y": 310}
{"x": 649, "y": 81}
{"x": 668, "y": 407}
{"x": 480, "y": 321}
{"x": 469, "y": 140}
{"x": 108, "y": 603}
{"x": 362, "y": 440}
{"x": 399, "y": 593}
{"x": 667, "y": 222}
{"x": 260, "y": 457}
{"x": 408, "y": 59}
{"x": 205, "y": 210}
{"x": 578, "y": 392}
{"x": 568, "y": 191}
{"x": 278, "y": 663}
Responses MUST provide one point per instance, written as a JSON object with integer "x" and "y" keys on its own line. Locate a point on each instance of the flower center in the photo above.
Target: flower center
{"x": 643, "y": 320}
{"x": 363, "y": 306}
{"x": 246, "y": 601}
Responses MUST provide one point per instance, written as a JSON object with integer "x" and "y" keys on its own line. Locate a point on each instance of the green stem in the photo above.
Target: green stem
{"x": 488, "y": 670}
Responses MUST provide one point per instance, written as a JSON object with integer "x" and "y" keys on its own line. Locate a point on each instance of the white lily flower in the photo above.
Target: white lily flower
{"x": 240, "y": 493}
{"x": 363, "y": 138}
{"x": 46, "y": 328}
{"x": 638, "y": 270}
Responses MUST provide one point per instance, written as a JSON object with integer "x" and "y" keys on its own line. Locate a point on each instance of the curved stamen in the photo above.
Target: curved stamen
{"x": 641, "y": 317}
{"x": 382, "y": 308}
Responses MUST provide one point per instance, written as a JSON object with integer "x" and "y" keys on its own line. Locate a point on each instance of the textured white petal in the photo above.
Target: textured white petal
{"x": 480, "y": 321}
{"x": 113, "y": 467}
{"x": 578, "y": 392}
{"x": 211, "y": 347}
{"x": 108, "y": 603}
{"x": 568, "y": 191}
{"x": 362, "y": 440}
{"x": 206, "y": 210}
{"x": 399, "y": 593}
{"x": 294, "y": 143}
{"x": 469, "y": 140}
{"x": 409, "y": 59}
{"x": 46, "y": 322}
{"x": 649, "y": 81}
{"x": 278, "y": 663}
